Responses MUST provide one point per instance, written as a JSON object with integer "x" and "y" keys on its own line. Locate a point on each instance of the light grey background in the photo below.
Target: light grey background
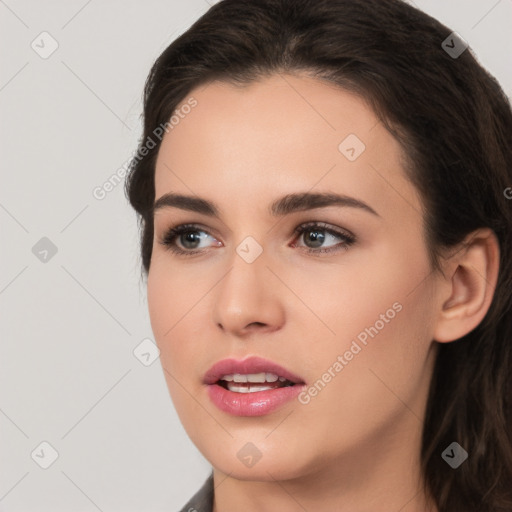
{"x": 69, "y": 325}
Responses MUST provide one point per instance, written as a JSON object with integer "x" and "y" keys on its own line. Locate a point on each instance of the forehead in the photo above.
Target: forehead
{"x": 278, "y": 135}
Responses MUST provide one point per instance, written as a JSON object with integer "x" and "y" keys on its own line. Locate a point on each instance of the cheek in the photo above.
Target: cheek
{"x": 172, "y": 292}
{"x": 160, "y": 295}
{"x": 377, "y": 312}
{"x": 175, "y": 311}
{"x": 171, "y": 300}
{"x": 180, "y": 309}
{"x": 339, "y": 301}
{"x": 384, "y": 363}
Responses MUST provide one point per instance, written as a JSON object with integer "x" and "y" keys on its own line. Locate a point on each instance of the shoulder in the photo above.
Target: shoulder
{"x": 202, "y": 501}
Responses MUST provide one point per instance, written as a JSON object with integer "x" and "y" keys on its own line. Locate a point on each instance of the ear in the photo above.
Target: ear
{"x": 468, "y": 286}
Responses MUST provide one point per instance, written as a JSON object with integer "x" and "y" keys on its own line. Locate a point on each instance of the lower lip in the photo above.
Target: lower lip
{"x": 258, "y": 403}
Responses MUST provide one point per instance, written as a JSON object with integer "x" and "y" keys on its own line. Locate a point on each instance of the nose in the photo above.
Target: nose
{"x": 248, "y": 299}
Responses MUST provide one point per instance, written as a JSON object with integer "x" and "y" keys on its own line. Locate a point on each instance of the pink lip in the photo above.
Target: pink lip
{"x": 250, "y": 404}
{"x": 249, "y": 365}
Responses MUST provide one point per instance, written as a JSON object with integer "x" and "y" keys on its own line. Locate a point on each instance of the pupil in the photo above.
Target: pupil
{"x": 192, "y": 238}
{"x": 317, "y": 238}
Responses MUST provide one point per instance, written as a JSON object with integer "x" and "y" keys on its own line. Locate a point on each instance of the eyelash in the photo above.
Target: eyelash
{"x": 168, "y": 240}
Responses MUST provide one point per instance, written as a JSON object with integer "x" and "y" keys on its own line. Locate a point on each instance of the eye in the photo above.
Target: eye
{"x": 317, "y": 233}
{"x": 189, "y": 236}
{"x": 186, "y": 239}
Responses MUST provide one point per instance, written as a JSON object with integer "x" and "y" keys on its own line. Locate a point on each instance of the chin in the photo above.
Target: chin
{"x": 271, "y": 465}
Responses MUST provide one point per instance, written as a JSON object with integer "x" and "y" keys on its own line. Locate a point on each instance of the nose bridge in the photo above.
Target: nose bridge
{"x": 242, "y": 286}
{"x": 246, "y": 295}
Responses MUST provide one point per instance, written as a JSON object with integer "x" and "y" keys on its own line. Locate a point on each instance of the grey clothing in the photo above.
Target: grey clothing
{"x": 202, "y": 501}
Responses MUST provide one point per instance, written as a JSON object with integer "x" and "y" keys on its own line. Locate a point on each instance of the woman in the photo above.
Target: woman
{"x": 326, "y": 234}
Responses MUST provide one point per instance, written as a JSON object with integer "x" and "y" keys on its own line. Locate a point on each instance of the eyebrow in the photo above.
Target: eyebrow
{"x": 285, "y": 205}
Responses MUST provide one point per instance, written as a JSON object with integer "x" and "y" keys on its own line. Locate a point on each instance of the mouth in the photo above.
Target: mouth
{"x": 245, "y": 376}
{"x": 253, "y": 382}
{"x": 251, "y": 387}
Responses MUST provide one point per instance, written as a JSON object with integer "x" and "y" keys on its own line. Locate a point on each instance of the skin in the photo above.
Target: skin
{"x": 355, "y": 446}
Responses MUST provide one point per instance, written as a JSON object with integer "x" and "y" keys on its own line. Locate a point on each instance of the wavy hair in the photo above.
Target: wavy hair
{"x": 454, "y": 125}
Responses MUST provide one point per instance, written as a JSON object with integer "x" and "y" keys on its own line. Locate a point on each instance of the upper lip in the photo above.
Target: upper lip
{"x": 246, "y": 366}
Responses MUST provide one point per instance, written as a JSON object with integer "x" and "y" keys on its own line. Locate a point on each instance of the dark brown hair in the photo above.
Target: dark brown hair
{"x": 454, "y": 124}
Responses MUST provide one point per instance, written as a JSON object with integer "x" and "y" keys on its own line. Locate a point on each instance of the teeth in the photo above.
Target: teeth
{"x": 256, "y": 377}
{"x": 247, "y": 389}
{"x": 252, "y": 377}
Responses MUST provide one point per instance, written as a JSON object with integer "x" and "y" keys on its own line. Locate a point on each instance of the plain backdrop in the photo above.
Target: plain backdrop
{"x": 73, "y": 394}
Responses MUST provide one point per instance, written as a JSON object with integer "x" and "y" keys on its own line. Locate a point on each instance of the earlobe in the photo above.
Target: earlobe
{"x": 470, "y": 286}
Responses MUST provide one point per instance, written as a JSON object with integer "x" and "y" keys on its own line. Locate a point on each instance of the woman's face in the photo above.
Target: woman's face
{"x": 347, "y": 307}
